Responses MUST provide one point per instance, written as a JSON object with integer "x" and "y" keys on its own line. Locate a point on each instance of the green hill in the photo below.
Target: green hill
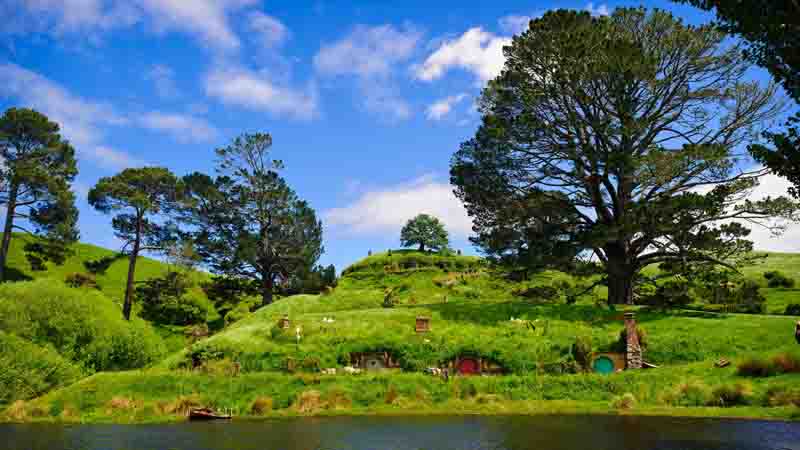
{"x": 109, "y": 267}
{"x": 374, "y": 308}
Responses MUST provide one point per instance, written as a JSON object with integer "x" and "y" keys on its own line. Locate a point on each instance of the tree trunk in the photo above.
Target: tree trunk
{"x": 128, "y": 304}
{"x": 421, "y": 247}
{"x": 266, "y": 289}
{"x": 9, "y": 225}
{"x": 620, "y": 288}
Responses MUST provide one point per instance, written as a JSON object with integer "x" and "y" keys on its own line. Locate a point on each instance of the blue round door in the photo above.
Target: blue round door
{"x": 603, "y": 365}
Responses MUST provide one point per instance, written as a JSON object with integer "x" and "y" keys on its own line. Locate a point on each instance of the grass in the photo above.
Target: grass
{"x": 245, "y": 366}
{"x": 111, "y": 279}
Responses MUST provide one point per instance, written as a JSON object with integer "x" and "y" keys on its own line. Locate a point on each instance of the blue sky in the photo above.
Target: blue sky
{"x": 366, "y": 101}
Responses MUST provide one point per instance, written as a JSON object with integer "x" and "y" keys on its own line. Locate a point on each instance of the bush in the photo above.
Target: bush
{"x": 168, "y": 300}
{"x": 625, "y": 401}
{"x": 779, "y": 364}
{"x": 727, "y": 395}
{"x": 546, "y": 293}
{"x": 793, "y": 310}
{"x": 29, "y": 370}
{"x": 582, "y": 352}
{"x": 81, "y": 280}
{"x": 261, "y": 406}
{"x": 82, "y": 326}
{"x": 776, "y": 279}
{"x": 690, "y": 393}
{"x": 782, "y": 396}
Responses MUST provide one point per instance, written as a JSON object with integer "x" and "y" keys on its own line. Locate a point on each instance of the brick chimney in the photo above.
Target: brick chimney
{"x": 633, "y": 351}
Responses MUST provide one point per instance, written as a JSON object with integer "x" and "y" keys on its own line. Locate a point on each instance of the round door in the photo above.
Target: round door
{"x": 468, "y": 366}
{"x": 603, "y": 365}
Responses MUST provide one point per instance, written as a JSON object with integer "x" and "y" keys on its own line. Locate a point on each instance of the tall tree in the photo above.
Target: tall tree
{"x": 249, "y": 223}
{"x": 141, "y": 196}
{"x": 424, "y": 231}
{"x": 37, "y": 168}
{"x": 621, "y": 138}
{"x": 772, "y": 32}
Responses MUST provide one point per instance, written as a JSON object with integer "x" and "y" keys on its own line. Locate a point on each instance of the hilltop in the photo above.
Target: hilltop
{"x": 256, "y": 367}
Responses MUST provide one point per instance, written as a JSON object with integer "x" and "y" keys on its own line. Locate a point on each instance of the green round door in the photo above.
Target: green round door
{"x": 603, "y": 365}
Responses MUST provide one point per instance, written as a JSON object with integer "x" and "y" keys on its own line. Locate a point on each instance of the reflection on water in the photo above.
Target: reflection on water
{"x": 407, "y": 433}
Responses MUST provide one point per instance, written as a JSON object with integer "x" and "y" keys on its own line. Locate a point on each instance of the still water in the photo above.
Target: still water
{"x": 406, "y": 433}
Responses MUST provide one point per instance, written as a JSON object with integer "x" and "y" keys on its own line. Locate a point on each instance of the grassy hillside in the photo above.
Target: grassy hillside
{"x": 470, "y": 309}
{"x": 111, "y": 271}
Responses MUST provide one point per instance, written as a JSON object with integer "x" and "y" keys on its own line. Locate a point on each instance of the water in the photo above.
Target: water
{"x": 406, "y": 433}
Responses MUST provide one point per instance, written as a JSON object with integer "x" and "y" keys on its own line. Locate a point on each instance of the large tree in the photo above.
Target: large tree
{"x": 142, "y": 198}
{"x": 424, "y": 231}
{"x": 249, "y": 223}
{"x": 771, "y": 30}
{"x": 36, "y": 170}
{"x": 618, "y": 137}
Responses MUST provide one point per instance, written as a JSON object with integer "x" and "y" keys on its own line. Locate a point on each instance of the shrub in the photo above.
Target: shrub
{"x": 226, "y": 293}
{"x": 81, "y": 280}
{"x": 29, "y": 370}
{"x": 167, "y": 300}
{"x": 690, "y": 393}
{"x": 261, "y": 406}
{"x": 82, "y": 326}
{"x": 761, "y": 367}
{"x": 776, "y": 279}
{"x": 546, "y": 293}
{"x": 793, "y": 310}
{"x": 582, "y": 351}
{"x": 782, "y": 396}
{"x": 727, "y": 395}
{"x": 625, "y": 401}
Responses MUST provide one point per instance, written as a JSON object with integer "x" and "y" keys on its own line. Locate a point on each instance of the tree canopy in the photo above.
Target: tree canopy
{"x": 617, "y": 139}
{"x": 38, "y": 166}
{"x": 426, "y": 232}
{"x": 771, "y": 30}
{"x": 248, "y": 222}
{"x": 141, "y": 196}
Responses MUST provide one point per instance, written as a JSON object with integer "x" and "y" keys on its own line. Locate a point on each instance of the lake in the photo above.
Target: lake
{"x": 406, "y": 433}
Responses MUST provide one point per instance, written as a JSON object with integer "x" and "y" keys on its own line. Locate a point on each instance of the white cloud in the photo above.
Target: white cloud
{"x": 440, "y": 108}
{"x": 514, "y": 24}
{"x": 254, "y": 91}
{"x": 207, "y": 19}
{"x": 183, "y": 127}
{"x": 81, "y": 120}
{"x": 600, "y": 10}
{"x": 763, "y": 239}
{"x": 367, "y": 51}
{"x": 271, "y": 31}
{"x": 386, "y": 210}
{"x": 114, "y": 159}
{"x": 371, "y": 54}
{"x": 476, "y": 51}
{"x": 163, "y": 77}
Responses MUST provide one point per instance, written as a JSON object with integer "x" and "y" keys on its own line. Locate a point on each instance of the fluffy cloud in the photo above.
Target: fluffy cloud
{"x": 81, "y": 120}
{"x": 371, "y": 54}
{"x": 254, "y": 91}
{"x": 514, "y": 24}
{"x": 367, "y": 51}
{"x": 386, "y": 210}
{"x": 182, "y": 127}
{"x": 206, "y": 19}
{"x": 600, "y": 10}
{"x": 763, "y": 239}
{"x": 163, "y": 77}
{"x": 440, "y": 108}
{"x": 476, "y": 51}
{"x": 112, "y": 159}
{"x": 270, "y": 30}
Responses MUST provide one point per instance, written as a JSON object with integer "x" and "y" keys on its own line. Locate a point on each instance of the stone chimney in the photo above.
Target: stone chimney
{"x": 633, "y": 351}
